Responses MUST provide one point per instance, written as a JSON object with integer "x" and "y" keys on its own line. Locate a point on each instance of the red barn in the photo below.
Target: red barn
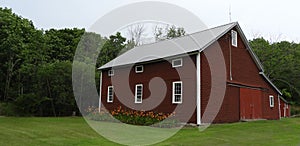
{"x": 211, "y": 76}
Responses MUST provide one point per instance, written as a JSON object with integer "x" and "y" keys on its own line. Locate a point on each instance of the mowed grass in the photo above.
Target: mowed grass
{"x": 75, "y": 131}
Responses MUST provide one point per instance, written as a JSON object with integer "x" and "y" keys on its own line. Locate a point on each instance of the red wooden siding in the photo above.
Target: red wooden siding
{"x": 162, "y": 70}
{"x": 244, "y": 72}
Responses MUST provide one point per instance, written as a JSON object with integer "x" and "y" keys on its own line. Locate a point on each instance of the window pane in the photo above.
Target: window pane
{"x": 139, "y": 68}
{"x": 177, "y": 98}
{"x": 178, "y": 88}
{"x": 177, "y": 62}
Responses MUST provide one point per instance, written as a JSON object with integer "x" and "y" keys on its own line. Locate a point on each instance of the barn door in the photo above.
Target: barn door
{"x": 250, "y": 104}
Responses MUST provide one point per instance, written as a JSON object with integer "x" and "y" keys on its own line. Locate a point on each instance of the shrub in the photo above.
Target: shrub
{"x": 295, "y": 110}
{"x": 7, "y": 109}
{"x": 134, "y": 117}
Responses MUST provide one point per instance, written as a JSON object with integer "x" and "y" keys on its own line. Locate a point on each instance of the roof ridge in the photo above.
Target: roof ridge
{"x": 187, "y": 34}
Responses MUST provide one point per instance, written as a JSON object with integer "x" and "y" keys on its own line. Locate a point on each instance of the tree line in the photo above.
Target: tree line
{"x": 36, "y": 65}
{"x": 281, "y": 61}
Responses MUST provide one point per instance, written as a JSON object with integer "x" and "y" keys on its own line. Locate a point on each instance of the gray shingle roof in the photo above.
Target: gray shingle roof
{"x": 172, "y": 47}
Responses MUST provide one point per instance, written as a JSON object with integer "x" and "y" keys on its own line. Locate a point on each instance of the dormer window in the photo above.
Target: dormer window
{"x": 177, "y": 62}
{"x": 139, "y": 69}
{"x": 111, "y": 73}
{"x": 233, "y": 38}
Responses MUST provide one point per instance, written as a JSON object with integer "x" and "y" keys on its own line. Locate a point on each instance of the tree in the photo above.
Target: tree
{"x": 282, "y": 65}
{"x": 16, "y": 35}
{"x": 136, "y": 32}
{"x": 61, "y": 44}
{"x": 168, "y": 32}
{"x": 111, "y": 48}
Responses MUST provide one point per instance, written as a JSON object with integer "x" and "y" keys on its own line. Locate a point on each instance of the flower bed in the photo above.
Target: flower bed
{"x": 134, "y": 117}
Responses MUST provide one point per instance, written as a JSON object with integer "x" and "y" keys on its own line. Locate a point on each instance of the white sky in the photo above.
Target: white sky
{"x": 268, "y": 18}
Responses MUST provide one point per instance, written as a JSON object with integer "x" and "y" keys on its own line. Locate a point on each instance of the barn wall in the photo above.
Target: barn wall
{"x": 163, "y": 71}
{"x": 244, "y": 72}
{"x": 229, "y": 110}
{"x": 284, "y": 107}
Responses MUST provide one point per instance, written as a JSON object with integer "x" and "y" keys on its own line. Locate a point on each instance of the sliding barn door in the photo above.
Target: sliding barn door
{"x": 250, "y": 103}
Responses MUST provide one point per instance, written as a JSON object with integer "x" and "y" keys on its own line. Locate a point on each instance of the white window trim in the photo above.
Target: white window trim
{"x": 271, "y": 100}
{"x": 177, "y": 60}
{"x": 173, "y": 92}
{"x": 234, "y": 42}
{"x": 110, "y": 101}
{"x": 136, "y": 71}
{"x": 135, "y": 96}
{"x": 111, "y": 72}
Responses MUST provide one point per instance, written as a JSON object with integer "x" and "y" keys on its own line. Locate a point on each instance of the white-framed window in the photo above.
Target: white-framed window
{"x": 111, "y": 72}
{"x": 139, "y": 69}
{"x": 234, "y": 38}
{"x": 110, "y": 94}
{"x": 177, "y": 92}
{"x": 138, "y": 93}
{"x": 177, "y": 62}
{"x": 271, "y": 98}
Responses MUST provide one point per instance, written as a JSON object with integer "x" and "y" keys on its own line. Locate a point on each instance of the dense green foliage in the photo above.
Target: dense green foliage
{"x": 74, "y": 131}
{"x": 281, "y": 61}
{"x": 36, "y": 65}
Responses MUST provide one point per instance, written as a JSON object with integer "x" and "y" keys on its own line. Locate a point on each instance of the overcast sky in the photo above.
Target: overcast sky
{"x": 268, "y": 18}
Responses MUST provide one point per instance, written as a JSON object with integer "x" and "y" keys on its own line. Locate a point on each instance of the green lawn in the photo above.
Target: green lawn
{"x": 75, "y": 131}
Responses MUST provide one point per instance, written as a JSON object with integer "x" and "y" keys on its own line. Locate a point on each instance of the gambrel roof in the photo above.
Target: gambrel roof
{"x": 195, "y": 42}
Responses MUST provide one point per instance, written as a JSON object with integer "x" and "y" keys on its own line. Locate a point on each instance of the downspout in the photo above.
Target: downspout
{"x": 230, "y": 59}
{"x": 279, "y": 107}
{"x": 100, "y": 91}
{"x": 198, "y": 88}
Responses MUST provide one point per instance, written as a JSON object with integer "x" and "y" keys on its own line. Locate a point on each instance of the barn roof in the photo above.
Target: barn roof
{"x": 171, "y": 47}
{"x": 195, "y": 42}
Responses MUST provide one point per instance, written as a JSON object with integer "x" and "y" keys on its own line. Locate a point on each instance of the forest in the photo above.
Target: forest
{"x": 36, "y": 65}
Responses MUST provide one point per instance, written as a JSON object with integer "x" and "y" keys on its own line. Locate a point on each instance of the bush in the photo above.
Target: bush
{"x": 143, "y": 118}
{"x": 295, "y": 110}
{"x": 7, "y": 109}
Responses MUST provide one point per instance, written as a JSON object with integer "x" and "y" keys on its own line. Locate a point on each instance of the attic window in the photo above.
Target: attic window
{"x": 177, "y": 62}
{"x": 111, "y": 72}
{"x": 271, "y": 98}
{"x": 233, "y": 38}
{"x": 139, "y": 69}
